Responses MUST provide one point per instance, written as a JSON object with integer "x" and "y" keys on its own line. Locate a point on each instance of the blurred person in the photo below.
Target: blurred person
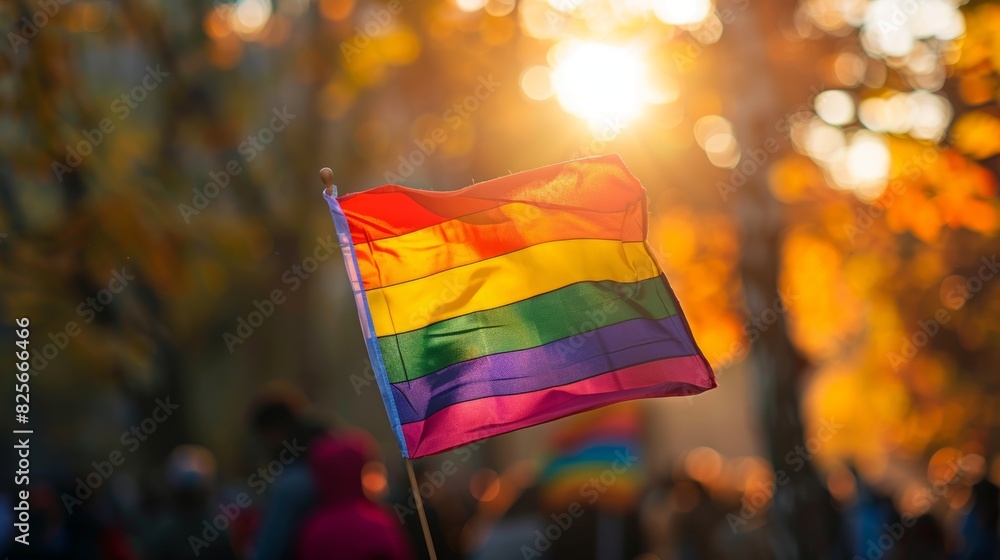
{"x": 515, "y": 530}
{"x": 445, "y": 511}
{"x": 680, "y": 521}
{"x": 815, "y": 515}
{"x": 278, "y": 424}
{"x": 85, "y": 533}
{"x": 980, "y": 525}
{"x": 53, "y": 533}
{"x": 7, "y": 520}
{"x": 347, "y": 525}
{"x": 188, "y": 527}
{"x": 865, "y": 517}
{"x": 243, "y": 529}
{"x": 924, "y": 540}
{"x": 594, "y": 535}
{"x": 656, "y": 514}
{"x": 712, "y": 519}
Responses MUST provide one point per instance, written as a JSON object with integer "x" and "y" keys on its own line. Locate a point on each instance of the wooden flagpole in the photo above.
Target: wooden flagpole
{"x": 326, "y": 176}
{"x": 420, "y": 508}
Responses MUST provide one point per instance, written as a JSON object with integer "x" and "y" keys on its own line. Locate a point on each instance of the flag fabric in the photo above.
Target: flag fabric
{"x": 601, "y": 446}
{"x": 512, "y": 302}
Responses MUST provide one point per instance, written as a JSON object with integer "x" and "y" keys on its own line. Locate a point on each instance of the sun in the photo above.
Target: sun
{"x": 600, "y": 83}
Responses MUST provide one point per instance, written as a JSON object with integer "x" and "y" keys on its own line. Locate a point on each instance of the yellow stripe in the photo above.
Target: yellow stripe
{"x": 506, "y": 279}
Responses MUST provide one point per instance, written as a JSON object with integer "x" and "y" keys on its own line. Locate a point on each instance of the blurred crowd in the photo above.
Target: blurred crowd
{"x": 319, "y": 493}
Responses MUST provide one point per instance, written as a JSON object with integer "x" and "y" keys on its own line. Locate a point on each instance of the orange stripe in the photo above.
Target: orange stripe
{"x": 484, "y": 235}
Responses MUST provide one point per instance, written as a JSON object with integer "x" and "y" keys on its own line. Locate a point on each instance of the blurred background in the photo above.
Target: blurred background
{"x": 822, "y": 177}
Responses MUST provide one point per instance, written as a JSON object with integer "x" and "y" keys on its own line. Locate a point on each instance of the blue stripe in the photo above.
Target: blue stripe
{"x": 602, "y": 454}
{"x": 367, "y": 327}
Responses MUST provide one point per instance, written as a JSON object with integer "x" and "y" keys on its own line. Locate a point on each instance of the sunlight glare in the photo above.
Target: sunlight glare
{"x": 599, "y": 83}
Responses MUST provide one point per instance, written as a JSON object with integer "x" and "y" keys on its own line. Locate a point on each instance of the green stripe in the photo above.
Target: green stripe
{"x": 529, "y": 323}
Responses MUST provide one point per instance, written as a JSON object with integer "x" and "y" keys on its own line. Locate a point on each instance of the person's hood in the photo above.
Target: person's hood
{"x": 336, "y": 462}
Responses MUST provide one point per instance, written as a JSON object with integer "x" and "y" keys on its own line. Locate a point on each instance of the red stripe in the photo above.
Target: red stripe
{"x": 618, "y": 424}
{"x": 469, "y": 421}
{"x": 600, "y": 184}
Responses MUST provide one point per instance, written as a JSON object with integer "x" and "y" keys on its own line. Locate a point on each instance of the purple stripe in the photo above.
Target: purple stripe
{"x": 564, "y": 361}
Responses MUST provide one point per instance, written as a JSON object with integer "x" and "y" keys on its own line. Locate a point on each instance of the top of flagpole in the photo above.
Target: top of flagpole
{"x": 326, "y": 176}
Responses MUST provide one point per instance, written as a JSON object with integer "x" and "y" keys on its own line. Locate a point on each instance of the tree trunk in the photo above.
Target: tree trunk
{"x": 802, "y": 517}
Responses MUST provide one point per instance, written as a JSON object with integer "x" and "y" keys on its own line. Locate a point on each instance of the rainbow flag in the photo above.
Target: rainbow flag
{"x": 512, "y": 302}
{"x": 604, "y": 443}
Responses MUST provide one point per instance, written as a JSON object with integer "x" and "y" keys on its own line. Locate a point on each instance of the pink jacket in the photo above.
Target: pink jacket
{"x": 346, "y": 525}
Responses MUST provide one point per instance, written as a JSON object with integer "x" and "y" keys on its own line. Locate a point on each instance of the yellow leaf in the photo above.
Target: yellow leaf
{"x": 979, "y": 216}
{"x": 926, "y": 221}
{"x": 977, "y": 134}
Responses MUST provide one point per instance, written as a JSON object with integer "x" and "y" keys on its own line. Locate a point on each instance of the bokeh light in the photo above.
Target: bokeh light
{"x": 703, "y": 464}
{"x": 470, "y": 5}
{"x": 375, "y": 480}
{"x": 250, "y": 16}
{"x": 485, "y": 485}
{"x": 723, "y": 150}
{"x": 536, "y": 82}
{"x": 682, "y": 12}
{"x": 715, "y": 135}
{"x": 336, "y": 10}
{"x": 835, "y": 106}
{"x": 864, "y": 165}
